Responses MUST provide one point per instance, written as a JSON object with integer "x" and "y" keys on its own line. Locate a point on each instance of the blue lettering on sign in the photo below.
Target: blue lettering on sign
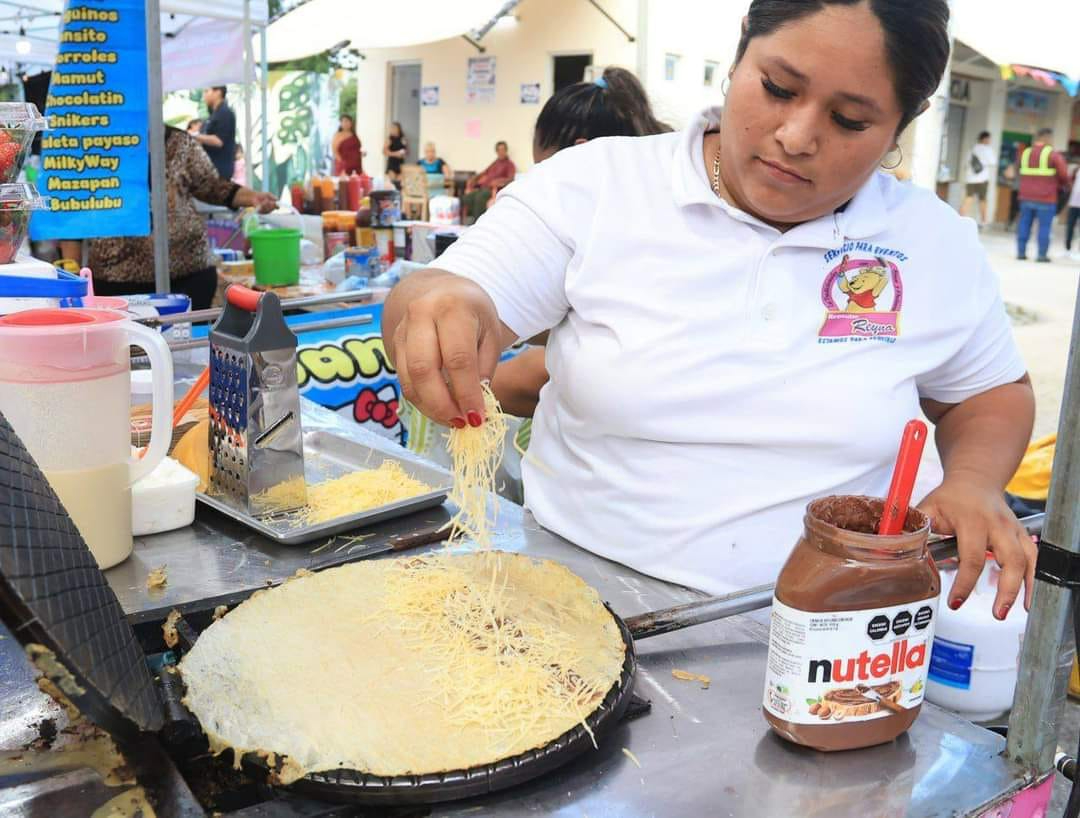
{"x": 950, "y": 663}
{"x": 94, "y": 156}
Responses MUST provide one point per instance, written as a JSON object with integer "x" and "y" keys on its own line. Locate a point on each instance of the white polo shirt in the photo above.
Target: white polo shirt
{"x": 709, "y": 374}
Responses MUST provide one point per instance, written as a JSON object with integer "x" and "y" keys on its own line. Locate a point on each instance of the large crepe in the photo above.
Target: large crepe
{"x": 413, "y": 665}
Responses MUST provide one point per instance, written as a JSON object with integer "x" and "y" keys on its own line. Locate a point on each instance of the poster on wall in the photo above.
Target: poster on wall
{"x": 94, "y": 155}
{"x": 480, "y": 81}
{"x": 530, "y": 93}
{"x": 429, "y": 96}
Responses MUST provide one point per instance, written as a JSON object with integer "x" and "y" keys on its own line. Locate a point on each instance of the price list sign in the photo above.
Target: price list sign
{"x": 94, "y": 161}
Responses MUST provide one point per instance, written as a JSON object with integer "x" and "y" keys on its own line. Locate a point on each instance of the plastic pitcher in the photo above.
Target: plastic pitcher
{"x": 65, "y": 388}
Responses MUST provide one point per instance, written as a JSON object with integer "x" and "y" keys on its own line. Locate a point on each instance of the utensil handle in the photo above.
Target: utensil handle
{"x": 243, "y": 297}
{"x": 153, "y": 344}
{"x": 903, "y": 480}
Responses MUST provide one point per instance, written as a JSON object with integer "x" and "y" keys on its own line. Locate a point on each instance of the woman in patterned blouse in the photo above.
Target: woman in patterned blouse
{"x": 123, "y": 266}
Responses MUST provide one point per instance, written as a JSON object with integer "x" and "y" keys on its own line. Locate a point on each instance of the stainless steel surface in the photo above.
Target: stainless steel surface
{"x": 253, "y": 392}
{"x": 159, "y": 201}
{"x": 327, "y": 456}
{"x": 702, "y": 752}
{"x": 1047, "y": 653}
{"x": 311, "y": 326}
{"x": 202, "y": 316}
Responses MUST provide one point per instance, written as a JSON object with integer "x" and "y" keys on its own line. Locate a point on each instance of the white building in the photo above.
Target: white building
{"x": 545, "y": 43}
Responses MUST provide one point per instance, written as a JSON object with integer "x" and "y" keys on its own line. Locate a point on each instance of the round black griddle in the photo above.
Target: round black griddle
{"x": 356, "y": 787}
{"x": 53, "y": 594}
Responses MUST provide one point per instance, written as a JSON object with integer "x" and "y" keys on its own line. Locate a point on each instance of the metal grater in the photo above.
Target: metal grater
{"x": 256, "y": 440}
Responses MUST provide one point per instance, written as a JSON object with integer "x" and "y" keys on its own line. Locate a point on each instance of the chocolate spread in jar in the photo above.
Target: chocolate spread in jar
{"x": 852, "y": 628}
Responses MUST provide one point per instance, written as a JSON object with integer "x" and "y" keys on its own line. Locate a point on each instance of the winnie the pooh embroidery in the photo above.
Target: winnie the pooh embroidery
{"x": 873, "y": 292}
{"x": 863, "y": 289}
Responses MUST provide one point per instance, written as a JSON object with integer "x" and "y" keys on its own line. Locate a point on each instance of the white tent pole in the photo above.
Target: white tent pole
{"x": 159, "y": 202}
{"x": 264, "y": 86}
{"x": 249, "y": 78}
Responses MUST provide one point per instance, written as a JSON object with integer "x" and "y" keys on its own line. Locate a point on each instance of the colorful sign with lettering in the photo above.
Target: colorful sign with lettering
{"x": 94, "y": 156}
{"x": 348, "y": 371}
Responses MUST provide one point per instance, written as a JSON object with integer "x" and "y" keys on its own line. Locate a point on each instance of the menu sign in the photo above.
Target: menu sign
{"x": 94, "y": 159}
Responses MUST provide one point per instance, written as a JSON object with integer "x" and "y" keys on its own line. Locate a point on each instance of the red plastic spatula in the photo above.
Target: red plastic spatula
{"x": 903, "y": 479}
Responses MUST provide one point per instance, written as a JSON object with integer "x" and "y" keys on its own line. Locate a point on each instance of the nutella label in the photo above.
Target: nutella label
{"x": 848, "y": 666}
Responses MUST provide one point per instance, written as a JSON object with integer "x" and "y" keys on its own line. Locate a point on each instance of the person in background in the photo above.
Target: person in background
{"x": 482, "y": 187}
{"x": 614, "y": 105}
{"x": 194, "y": 126}
{"x": 1074, "y": 216}
{"x": 431, "y": 162}
{"x": 239, "y": 174}
{"x": 124, "y": 266}
{"x": 348, "y": 153}
{"x": 981, "y": 162}
{"x": 218, "y": 134}
{"x": 1042, "y": 172}
{"x": 395, "y": 150}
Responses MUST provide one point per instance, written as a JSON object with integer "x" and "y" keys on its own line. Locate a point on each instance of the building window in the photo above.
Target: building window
{"x": 711, "y": 70}
{"x": 671, "y": 61}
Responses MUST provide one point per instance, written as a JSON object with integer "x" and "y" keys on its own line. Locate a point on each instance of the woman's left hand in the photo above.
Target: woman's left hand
{"x": 977, "y": 515}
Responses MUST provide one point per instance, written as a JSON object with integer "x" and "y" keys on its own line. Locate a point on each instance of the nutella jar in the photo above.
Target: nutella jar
{"x": 852, "y": 628}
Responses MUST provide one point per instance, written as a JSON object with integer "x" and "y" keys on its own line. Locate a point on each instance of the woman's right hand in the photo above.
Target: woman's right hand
{"x": 444, "y": 337}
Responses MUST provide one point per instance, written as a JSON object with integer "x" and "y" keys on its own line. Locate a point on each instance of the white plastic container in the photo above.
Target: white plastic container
{"x": 974, "y": 663}
{"x": 164, "y": 500}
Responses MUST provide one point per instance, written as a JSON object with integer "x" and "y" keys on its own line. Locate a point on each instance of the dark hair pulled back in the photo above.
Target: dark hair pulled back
{"x": 916, "y": 39}
{"x": 616, "y": 105}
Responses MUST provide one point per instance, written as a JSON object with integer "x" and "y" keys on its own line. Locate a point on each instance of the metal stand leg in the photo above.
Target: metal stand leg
{"x": 1047, "y": 655}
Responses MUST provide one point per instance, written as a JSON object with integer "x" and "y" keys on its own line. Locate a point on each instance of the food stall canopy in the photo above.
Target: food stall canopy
{"x": 1039, "y": 33}
{"x": 40, "y": 19}
{"x": 320, "y": 25}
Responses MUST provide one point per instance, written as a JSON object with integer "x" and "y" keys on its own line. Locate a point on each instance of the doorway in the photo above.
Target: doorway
{"x": 568, "y": 69}
{"x": 405, "y": 105}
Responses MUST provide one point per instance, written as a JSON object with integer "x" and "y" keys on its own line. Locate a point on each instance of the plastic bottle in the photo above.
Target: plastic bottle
{"x": 974, "y": 663}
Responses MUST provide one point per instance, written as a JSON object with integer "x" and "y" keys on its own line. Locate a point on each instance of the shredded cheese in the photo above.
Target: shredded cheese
{"x": 423, "y": 664}
{"x": 475, "y": 454}
{"x": 687, "y": 676}
{"x": 342, "y": 496}
{"x": 631, "y": 756}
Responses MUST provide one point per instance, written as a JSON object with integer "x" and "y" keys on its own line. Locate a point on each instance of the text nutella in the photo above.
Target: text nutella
{"x": 852, "y": 628}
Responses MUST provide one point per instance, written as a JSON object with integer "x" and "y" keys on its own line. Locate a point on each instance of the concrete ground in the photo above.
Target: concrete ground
{"x": 1041, "y": 298}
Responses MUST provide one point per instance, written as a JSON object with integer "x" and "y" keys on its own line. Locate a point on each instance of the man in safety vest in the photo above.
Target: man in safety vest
{"x": 1042, "y": 171}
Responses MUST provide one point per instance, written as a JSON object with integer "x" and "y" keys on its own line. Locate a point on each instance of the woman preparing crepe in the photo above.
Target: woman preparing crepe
{"x": 742, "y": 315}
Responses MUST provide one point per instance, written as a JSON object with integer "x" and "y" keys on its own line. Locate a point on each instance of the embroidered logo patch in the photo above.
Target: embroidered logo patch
{"x": 862, "y": 298}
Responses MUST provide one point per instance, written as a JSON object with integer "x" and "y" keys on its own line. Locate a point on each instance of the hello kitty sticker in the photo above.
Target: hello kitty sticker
{"x": 862, "y": 298}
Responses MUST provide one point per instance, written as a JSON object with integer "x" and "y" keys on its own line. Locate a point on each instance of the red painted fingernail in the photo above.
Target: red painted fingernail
{"x": 457, "y": 423}
{"x": 474, "y": 418}
{"x": 955, "y": 603}
{"x": 1003, "y": 611}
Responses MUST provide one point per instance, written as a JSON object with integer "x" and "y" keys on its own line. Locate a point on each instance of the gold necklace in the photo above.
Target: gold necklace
{"x": 716, "y": 173}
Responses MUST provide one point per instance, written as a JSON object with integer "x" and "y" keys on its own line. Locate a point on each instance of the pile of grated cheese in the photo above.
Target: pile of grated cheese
{"x": 475, "y": 455}
{"x": 331, "y": 499}
{"x": 508, "y": 662}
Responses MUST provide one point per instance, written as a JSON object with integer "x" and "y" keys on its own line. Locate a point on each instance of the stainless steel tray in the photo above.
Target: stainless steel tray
{"x": 327, "y": 456}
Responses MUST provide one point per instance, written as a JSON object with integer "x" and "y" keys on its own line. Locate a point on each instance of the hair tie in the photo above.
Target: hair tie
{"x": 600, "y": 81}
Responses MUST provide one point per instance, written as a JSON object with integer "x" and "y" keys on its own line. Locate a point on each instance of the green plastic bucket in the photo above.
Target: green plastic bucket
{"x": 277, "y": 256}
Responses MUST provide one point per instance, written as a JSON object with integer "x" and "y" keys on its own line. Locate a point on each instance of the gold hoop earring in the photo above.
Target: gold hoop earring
{"x": 898, "y": 162}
